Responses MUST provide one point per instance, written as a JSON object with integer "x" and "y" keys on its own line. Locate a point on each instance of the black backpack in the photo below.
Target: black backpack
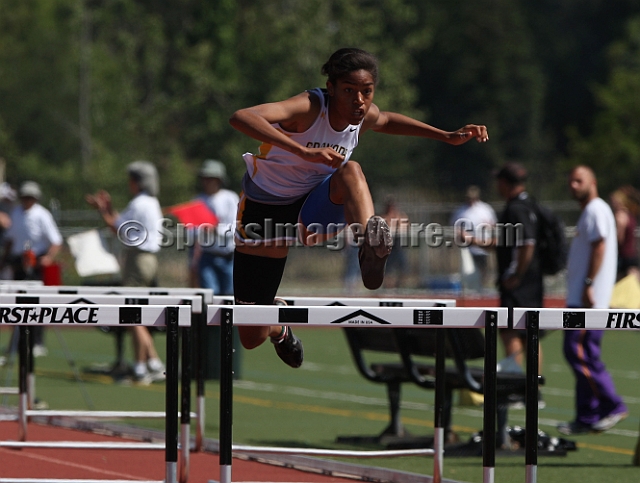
{"x": 552, "y": 241}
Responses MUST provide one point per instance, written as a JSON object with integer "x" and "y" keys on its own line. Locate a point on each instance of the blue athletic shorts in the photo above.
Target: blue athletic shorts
{"x": 291, "y": 223}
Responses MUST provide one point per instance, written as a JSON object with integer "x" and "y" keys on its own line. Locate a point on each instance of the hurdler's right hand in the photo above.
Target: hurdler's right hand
{"x": 328, "y": 156}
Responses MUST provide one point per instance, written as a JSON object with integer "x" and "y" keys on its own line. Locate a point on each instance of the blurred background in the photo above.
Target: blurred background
{"x": 88, "y": 86}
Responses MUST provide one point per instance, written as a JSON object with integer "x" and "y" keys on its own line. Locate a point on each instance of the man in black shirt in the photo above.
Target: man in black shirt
{"x": 519, "y": 273}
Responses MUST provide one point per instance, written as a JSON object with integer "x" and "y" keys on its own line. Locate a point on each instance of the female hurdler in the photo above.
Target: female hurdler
{"x": 302, "y": 178}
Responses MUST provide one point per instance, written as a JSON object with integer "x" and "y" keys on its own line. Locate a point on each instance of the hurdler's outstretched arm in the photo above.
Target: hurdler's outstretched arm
{"x": 395, "y": 123}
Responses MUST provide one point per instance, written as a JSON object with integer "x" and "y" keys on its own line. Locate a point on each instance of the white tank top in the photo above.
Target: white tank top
{"x": 281, "y": 174}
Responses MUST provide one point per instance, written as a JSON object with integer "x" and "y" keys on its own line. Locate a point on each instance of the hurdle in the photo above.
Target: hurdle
{"x": 5, "y": 286}
{"x": 69, "y": 315}
{"x": 534, "y": 320}
{"x": 195, "y": 302}
{"x": 350, "y": 301}
{"x": 198, "y": 325}
{"x": 372, "y": 316}
{"x": 438, "y": 424}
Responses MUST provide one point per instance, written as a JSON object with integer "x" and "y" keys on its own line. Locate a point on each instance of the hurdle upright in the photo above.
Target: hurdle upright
{"x": 340, "y": 316}
{"x": 534, "y": 320}
{"x": 27, "y": 382}
{"x": 438, "y": 423}
{"x": 198, "y": 325}
{"x": 63, "y": 315}
{"x": 6, "y": 286}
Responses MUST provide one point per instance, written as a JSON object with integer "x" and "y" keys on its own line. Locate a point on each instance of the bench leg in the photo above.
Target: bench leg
{"x": 120, "y": 367}
{"x": 393, "y": 432}
{"x": 502, "y": 437}
{"x": 395, "y": 427}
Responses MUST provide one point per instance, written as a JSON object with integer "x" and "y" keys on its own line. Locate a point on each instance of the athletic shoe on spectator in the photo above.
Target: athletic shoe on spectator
{"x": 155, "y": 365}
{"x": 541, "y": 403}
{"x": 609, "y": 421}
{"x": 142, "y": 379}
{"x": 574, "y": 427}
{"x": 40, "y": 404}
{"x": 40, "y": 351}
{"x": 157, "y": 375}
{"x": 141, "y": 374}
{"x": 516, "y": 401}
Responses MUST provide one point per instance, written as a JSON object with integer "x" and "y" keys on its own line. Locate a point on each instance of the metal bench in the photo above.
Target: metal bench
{"x": 411, "y": 345}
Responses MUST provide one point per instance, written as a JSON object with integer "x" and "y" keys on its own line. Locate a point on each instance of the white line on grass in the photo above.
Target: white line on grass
{"x": 380, "y": 402}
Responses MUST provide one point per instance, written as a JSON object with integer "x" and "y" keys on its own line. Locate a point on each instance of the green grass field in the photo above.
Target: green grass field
{"x": 309, "y": 407}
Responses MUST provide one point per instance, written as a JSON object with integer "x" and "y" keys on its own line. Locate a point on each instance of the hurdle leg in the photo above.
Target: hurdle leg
{"x": 531, "y": 397}
{"x": 23, "y": 397}
{"x": 226, "y": 394}
{"x": 31, "y": 362}
{"x": 171, "y": 403}
{"x": 490, "y": 396}
{"x": 200, "y": 349}
{"x": 438, "y": 424}
{"x": 185, "y": 415}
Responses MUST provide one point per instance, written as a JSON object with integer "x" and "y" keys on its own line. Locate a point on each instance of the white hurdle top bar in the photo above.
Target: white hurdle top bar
{"x": 589, "y": 319}
{"x": 18, "y": 315}
{"x": 352, "y": 301}
{"x": 462, "y": 317}
{"x": 19, "y": 287}
{"x": 101, "y": 299}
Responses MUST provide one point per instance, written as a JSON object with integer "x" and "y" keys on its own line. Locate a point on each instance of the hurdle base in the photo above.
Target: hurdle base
{"x": 396, "y": 440}
{"x": 388, "y": 441}
{"x": 116, "y": 370}
{"x": 473, "y": 448}
{"x": 392, "y": 438}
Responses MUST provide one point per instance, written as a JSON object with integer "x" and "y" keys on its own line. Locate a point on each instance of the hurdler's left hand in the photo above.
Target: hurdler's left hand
{"x": 468, "y": 132}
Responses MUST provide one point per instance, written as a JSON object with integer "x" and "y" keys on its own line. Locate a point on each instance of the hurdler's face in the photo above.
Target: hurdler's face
{"x": 351, "y": 98}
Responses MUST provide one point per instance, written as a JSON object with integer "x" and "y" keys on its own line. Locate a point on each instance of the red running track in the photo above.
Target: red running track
{"x": 135, "y": 465}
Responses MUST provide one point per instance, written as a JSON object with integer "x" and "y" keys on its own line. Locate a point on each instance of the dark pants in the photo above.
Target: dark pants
{"x": 596, "y": 395}
{"x": 216, "y": 272}
{"x": 31, "y": 273}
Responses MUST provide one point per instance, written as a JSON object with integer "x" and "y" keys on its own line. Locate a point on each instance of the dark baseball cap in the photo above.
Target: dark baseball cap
{"x": 512, "y": 172}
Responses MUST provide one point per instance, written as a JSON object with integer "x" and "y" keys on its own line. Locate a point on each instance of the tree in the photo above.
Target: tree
{"x": 481, "y": 68}
{"x": 37, "y": 83}
{"x": 613, "y": 147}
{"x": 87, "y": 86}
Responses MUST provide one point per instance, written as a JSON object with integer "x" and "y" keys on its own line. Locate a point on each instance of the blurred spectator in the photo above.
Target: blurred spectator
{"x": 137, "y": 228}
{"x": 591, "y": 275}
{"x": 31, "y": 244}
{"x": 7, "y": 200}
{"x": 625, "y": 203}
{"x": 519, "y": 273}
{"x": 478, "y": 215}
{"x": 212, "y": 262}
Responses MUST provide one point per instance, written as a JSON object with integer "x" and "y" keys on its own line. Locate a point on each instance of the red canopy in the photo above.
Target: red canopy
{"x": 193, "y": 212}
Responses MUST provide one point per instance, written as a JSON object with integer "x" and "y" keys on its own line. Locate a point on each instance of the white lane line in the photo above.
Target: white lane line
{"x": 48, "y": 459}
